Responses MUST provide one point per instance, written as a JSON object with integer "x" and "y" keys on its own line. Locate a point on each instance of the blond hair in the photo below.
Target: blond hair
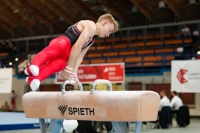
{"x": 110, "y": 18}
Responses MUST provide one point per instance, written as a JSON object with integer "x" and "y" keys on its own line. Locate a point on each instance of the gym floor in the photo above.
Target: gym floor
{"x": 194, "y": 127}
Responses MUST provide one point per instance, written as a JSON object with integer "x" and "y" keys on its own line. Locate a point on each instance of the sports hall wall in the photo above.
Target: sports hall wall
{"x": 19, "y": 86}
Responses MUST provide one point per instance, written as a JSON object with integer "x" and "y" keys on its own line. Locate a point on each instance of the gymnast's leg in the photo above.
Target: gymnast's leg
{"x": 56, "y": 47}
{"x": 46, "y": 70}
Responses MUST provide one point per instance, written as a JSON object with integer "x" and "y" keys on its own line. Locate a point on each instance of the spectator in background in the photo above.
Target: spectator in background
{"x": 8, "y": 47}
{"x": 12, "y": 49}
{"x": 13, "y": 101}
{"x": 4, "y": 46}
{"x": 176, "y": 102}
{"x": 185, "y": 32}
{"x": 164, "y": 100}
{"x": 5, "y": 107}
{"x": 1, "y": 47}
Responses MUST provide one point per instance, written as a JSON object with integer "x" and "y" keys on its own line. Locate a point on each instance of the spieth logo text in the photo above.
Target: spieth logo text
{"x": 75, "y": 111}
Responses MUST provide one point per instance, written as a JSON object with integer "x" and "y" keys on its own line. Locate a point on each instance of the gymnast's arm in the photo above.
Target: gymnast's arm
{"x": 65, "y": 75}
{"x": 80, "y": 58}
{"x": 89, "y": 29}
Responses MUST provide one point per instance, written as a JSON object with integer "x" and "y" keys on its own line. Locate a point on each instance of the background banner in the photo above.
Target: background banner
{"x": 114, "y": 72}
{"x": 185, "y": 76}
{"x": 5, "y": 80}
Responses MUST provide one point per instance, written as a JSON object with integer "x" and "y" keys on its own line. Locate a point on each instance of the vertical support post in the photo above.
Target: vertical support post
{"x": 161, "y": 30}
{"x": 128, "y": 35}
{"x": 16, "y": 67}
{"x": 45, "y": 42}
{"x": 144, "y": 31}
{"x": 113, "y": 36}
{"x": 27, "y": 47}
{"x": 120, "y": 127}
{"x": 138, "y": 126}
{"x": 179, "y": 28}
{"x": 55, "y": 126}
{"x": 43, "y": 126}
{"x": 198, "y": 26}
{"x": 121, "y": 35}
{"x": 17, "y": 44}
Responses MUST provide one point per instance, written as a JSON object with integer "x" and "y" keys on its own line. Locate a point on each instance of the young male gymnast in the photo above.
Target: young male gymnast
{"x": 64, "y": 54}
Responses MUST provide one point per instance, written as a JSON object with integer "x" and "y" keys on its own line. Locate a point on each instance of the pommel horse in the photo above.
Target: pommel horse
{"x": 118, "y": 107}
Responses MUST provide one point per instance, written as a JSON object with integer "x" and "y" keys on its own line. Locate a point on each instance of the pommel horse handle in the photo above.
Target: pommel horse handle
{"x": 69, "y": 82}
{"x": 100, "y": 81}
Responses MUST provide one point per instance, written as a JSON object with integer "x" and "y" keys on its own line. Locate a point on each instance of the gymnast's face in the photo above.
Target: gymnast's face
{"x": 105, "y": 29}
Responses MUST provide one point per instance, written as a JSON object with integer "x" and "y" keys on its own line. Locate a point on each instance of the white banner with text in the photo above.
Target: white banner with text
{"x": 5, "y": 80}
{"x": 185, "y": 76}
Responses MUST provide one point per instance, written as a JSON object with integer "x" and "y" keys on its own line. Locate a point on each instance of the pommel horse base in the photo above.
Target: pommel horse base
{"x": 118, "y": 107}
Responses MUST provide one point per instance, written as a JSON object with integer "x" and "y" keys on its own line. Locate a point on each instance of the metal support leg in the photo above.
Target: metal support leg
{"x": 120, "y": 127}
{"x": 138, "y": 126}
{"x": 55, "y": 126}
{"x": 43, "y": 126}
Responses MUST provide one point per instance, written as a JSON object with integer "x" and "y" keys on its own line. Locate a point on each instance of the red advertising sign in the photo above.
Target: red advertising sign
{"x": 114, "y": 72}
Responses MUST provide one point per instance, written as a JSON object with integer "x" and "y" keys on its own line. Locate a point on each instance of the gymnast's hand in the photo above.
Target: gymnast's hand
{"x": 63, "y": 75}
{"x": 74, "y": 79}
